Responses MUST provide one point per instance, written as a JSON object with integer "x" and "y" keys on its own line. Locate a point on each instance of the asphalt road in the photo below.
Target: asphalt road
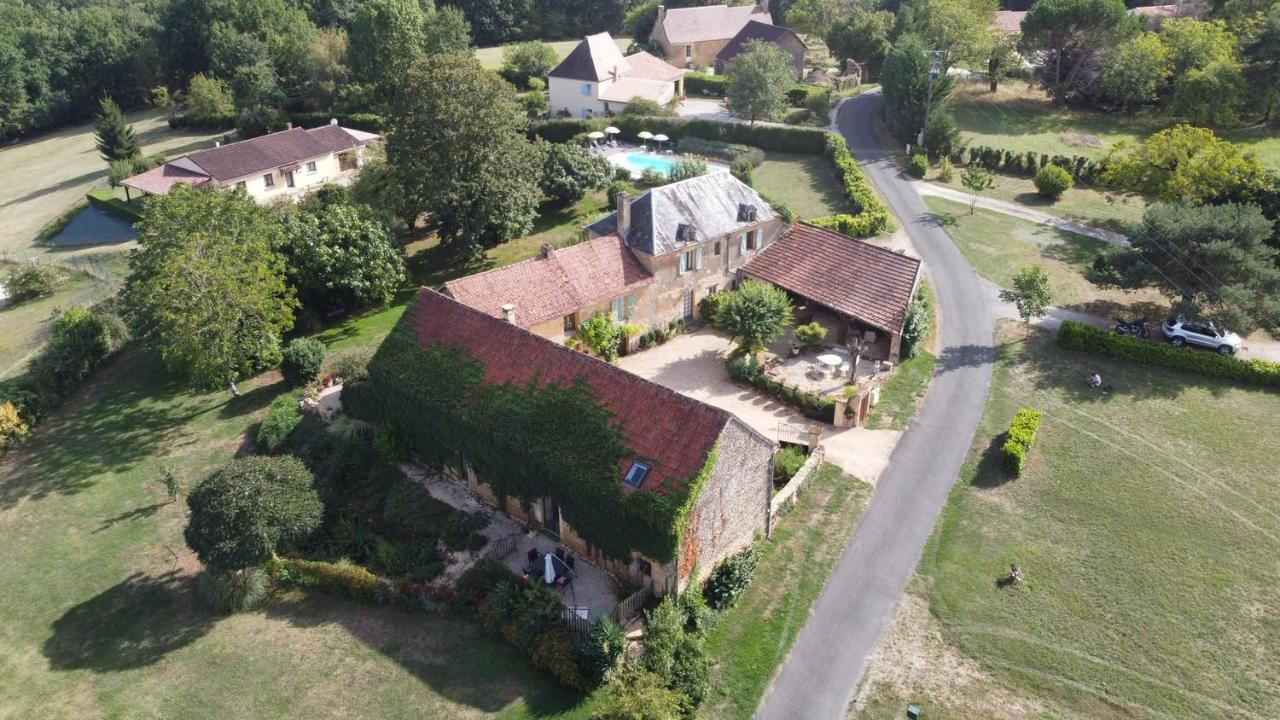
{"x": 820, "y": 675}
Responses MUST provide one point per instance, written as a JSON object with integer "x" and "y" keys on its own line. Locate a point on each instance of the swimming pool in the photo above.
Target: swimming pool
{"x": 637, "y": 162}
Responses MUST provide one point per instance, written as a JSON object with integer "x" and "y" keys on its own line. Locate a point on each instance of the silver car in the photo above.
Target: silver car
{"x": 1181, "y": 331}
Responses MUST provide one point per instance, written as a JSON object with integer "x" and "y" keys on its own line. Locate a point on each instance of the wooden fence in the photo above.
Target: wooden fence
{"x": 500, "y": 548}
{"x": 631, "y": 606}
{"x": 580, "y": 625}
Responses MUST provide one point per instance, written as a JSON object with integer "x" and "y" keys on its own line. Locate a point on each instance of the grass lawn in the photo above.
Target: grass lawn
{"x": 902, "y": 393}
{"x": 997, "y": 246}
{"x": 43, "y": 176}
{"x": 1020, "y": 118}
{"x": 491, "y": 57}
{"x": 804, "y": 182}
{"x": 1082, "y": 204}
{"x": 752, "y": 638}
{"x": 1147, "y": 531}
{"x": 101, "y": 620}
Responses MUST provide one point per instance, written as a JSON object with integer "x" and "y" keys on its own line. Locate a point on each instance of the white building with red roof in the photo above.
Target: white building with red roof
{"x": 596, "y": 79}
{"x": 276, "y": 166}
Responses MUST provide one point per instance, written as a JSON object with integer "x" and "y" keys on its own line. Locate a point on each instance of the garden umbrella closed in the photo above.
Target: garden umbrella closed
{"x": 550, "y": 575}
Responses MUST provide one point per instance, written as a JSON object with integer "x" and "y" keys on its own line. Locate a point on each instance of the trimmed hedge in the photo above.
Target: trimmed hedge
{"x": 1021, "y": 435}
{"x": 745, "y": 369}
{"x": 112, "y": 205}
{"x": 872, "y": 214}
{"x": 696, "y": 83}
{"x": 369, "y": 122}
{"x": 765, "y": 137}
{"x": 352, "y": 581}
{"x": 1084, "y": 170}
{"x": 213, "y": 122}
{"x": 1086, "y": 338}
{"x": 729, "y": 152}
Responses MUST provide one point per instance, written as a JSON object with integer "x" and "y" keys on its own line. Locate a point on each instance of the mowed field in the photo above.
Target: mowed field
{"x": 1147, "y": 528}
{"x": 43, "y": 176}
{"x": 491, "y": 57}
{"x": 1021, "y": 118}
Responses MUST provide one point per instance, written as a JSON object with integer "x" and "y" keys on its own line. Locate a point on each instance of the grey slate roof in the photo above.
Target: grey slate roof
{"x": 711, "y": 204}
{"x": 594, "y": 59}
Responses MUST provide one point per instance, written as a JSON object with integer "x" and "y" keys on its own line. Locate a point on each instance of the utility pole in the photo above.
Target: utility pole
{"x": 936, "y": 58}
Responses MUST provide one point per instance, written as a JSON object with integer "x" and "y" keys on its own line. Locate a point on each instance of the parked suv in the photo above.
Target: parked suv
{"x": 1181, "y": 331}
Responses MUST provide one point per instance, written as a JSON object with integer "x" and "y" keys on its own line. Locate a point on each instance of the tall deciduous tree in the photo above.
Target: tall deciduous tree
{"x": 208, "y": 285}
{"x": 862, "y": 37}
{"x": 114, "y": 138}
{"x": 757, "y": 312}
{"x": 242, "y": 513}
{"x": 905, "y": 80}
{"x": 964, "y": 29}
{"x": 208, "y": 98}
{"x": 1136, "y": 71}
{"x": 386, "y": 38}
{"x": 1066, "y": 35}
{"x": 457, "y": 148}
{"x": 758, "y": 81}
{"x": 340, "y": 256}
{"x": 1214, "y": 259}
{"x": 446, "y": 31}
{"x": 1184, "y": 163}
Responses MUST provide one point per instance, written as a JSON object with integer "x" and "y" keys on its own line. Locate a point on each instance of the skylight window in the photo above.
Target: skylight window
{"x": 636, "y": 474}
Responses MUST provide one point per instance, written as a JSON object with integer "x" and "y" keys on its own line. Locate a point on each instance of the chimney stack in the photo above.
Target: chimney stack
{"x": 624, "y": 214}
{"x": 662, "y": 12}
{"x": 288, "y": 126}
{"x": 547, "y": 251}
{"x": 509, "y": 313}
{"x": 333, "y": 121}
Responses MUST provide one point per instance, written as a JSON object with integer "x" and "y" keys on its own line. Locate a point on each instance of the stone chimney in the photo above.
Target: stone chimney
{"x": 662, "y": 13}
{"x": 547, "y": 252}
{"x": 624, "y": 214}
{"x": 288, "y": 126}
{"x": 509, "y": 313}
{"x": 333, "y": 121}
{"x": 763, "y": 5}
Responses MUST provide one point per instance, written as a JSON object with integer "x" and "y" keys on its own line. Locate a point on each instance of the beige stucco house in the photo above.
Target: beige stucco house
{"x": 595, "y": 79}
{"x": 283, "y": 165}
{"x": 693, "y": 36}
{"x": 649, "y": 262}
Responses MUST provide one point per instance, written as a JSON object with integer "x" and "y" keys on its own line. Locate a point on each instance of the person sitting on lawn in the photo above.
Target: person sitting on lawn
{"x": 1095, "y": 381}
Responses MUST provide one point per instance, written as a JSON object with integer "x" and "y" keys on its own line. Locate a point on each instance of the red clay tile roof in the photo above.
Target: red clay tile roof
{"x": 543, "y": 288}
{"x": 673, "y": 432}
{"x": 158, "y": 181}
{"x": 1010, "y": 21}
{"x": 856, "y": 278}
{"x": 248, "y": 157}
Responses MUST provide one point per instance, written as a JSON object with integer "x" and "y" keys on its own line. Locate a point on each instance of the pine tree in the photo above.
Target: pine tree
{"x": 114, "y": 138}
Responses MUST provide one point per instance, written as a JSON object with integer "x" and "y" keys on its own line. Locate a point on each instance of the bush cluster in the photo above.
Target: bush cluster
{"x": 745, "y": 369}
{"x": 282, "y": 417}
{"x": 729, "y": 152}
{"x": 858, "y": 226}
{"x": 346, "y": 579}
{"x": 731, "y": 578}
{"x": 1083, "y": 170}
{"x": 786, "y": 463}
{"x": 301, "y": 361}
{"x": 1052, "y": 181}
{"x": 919, "y": 165}
{"x": 769, "y": 138}
{"x": 28, "y": 281}
{"x": 675, "y": 654}
{"x": 873, "y": 215}
{"x": 1078, "y": 336}
{"x": 810, "y": 333}
{"x": 1021, "y": 435}
{"x": 659, "y": 335}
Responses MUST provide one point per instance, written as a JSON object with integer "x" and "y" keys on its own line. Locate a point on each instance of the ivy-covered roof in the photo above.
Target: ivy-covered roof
{"x": 673, "y": 433}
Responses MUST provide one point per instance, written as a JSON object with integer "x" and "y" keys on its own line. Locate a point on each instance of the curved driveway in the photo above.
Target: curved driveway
{"x": 820, "y": 675}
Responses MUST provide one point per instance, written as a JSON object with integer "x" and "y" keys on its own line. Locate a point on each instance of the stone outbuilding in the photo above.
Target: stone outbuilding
{"x": 785, "y": 39}
{"x": 693, "y": 36}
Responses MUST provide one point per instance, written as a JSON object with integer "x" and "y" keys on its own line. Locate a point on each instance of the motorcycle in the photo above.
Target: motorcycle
{"x": 1136, "y": 328}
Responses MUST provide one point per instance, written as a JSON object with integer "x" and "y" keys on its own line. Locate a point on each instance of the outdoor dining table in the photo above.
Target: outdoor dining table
{"x": 830, "y": 361}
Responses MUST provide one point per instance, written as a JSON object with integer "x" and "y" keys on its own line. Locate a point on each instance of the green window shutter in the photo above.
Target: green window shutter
{"x": 680, "y": 265}
{"x": 617, "y": 309}
{"x": 631, "y": 306}
{"x": 742, "y": 243}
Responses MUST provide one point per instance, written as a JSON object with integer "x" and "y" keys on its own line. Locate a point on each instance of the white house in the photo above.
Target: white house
{"x": 595, "y": 79}
{"x": 280, "y": 165}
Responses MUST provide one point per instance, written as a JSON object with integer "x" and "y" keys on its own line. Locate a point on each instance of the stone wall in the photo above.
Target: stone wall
{"x": 788, "y": 493}
{"x": 733, "y": 507}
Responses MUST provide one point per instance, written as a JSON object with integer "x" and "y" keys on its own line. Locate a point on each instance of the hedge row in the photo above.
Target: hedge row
{"x": 766, "y": 137}
{"x": 873, "y": 215}
{"x": 352, "y": 581}
{"x": 1021, "y": 435}
{"x": 859, "y": 226}
{"x": 703, "y": 84}
{"x": 1083, "y": 169}
{"x": 1078, "y": 336}
{"x": 225, "y": 121}
{"x": 746, "y": 370}
{"x": 112, "y": 205}
{"x": 369, "y": 122}
{"x": 729, "y": 152}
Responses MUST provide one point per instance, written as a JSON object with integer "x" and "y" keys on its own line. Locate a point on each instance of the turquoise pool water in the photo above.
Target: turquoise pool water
{"x": 637, "y": 162}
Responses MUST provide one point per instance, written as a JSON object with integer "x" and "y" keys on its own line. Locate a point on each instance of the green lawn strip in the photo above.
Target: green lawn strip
{"x": 100, "y": 618}
{"x": 1084, "y": 205}
{"x": 752, "y": 638}
{"x": 997, "y": 246}
{"x": 491, "y": 57}
{"x": 805, "y": 183}
{"x": 1145, "y": 526}
{"x": 27, "y": 324}
{"x": 902, "y": 393}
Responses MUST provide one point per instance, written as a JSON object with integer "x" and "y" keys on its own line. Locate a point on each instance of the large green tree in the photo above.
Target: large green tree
{"x": 759, "y": 79}
{"x": 1065, "y": 36}
{"x": 244, "y": 511}
{"x": 1263, "y": 52}
{"x": 571, "y": 170}
{"x": 1213, "y": 259}
{"x": 863, "y": 37}
{"x": 757, "y": 312}
{"x": 386, "y": 38}
{"x": 1136, "y": 71}
{"x": 963, "y": 29}
{"x": 905, "y": 80}
{"x": 1184, "y": 163}
{"x": 340, "y": 256}
{"x": 207, "y": 284}
{"x": 457, "y": 147}
{"x": 114, "y": 137}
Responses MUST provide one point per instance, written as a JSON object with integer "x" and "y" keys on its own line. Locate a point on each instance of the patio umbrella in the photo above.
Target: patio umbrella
{"x": 612, "y": 130}
{"x": 595, "y": 134}
{"x": 660, "y": 139}
{"x": 644, "y": 136}
{"x": 550, "y": 574}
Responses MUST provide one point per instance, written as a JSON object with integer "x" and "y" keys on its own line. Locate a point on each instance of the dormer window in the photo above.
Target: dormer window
{"x": 686, "y": 233}
{"x": 747, "y": 213}
{"x": 636, "y": 474}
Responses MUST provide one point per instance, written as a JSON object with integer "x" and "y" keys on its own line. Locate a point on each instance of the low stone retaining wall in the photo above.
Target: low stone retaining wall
{"x": 787, "y": 495}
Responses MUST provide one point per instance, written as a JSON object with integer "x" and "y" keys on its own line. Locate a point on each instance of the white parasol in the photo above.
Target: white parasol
{"x": 612, "y": 130}
{"x": 661, "y": 138}
{"x": 644, "y": 134}
{"x": 550, "y": 575}
{"x": 595, "y": 134}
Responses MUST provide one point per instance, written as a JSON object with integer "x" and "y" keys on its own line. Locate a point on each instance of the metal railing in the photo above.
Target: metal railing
{"x": 500, "y": 548}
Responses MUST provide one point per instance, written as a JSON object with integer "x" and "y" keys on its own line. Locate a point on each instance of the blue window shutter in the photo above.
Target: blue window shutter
{"x": 631, "y": 306}
{"x": 742, "y": 243}
{"x": 617, "y": 309}
{"x": 680, "y": 265}
{"x": 699, "y": 259}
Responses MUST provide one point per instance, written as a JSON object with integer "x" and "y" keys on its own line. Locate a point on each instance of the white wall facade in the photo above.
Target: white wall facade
{"x": 327, "y": 170}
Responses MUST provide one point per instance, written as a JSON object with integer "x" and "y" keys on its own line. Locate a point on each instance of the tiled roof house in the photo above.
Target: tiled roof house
{"x": 784, "y": 38}
{"x": 671, "y": 439}
{"x": 693, "y": 36}
{"x": 277, "y": 165}
{"x": 595, "y": 79}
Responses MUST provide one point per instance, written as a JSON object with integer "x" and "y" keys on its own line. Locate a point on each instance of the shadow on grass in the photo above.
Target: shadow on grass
{"x": 254, "y": 400}
{"x": 990, "y": 472}
{"x": 137, "y": 513}
{"x": 448, "y": 653}
{"x": 133, "y": 624}
{"x": 131, "y": 411}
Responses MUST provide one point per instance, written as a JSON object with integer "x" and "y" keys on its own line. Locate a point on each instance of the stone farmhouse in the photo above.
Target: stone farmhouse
{"x": 694, "y": 36}
{"x": 708, "y": 472}
{"x": 284, "y": 165}
{"x": 649, "y": 262}
{"x": 595, "y": 79}
{"x": 784, "y": 38}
